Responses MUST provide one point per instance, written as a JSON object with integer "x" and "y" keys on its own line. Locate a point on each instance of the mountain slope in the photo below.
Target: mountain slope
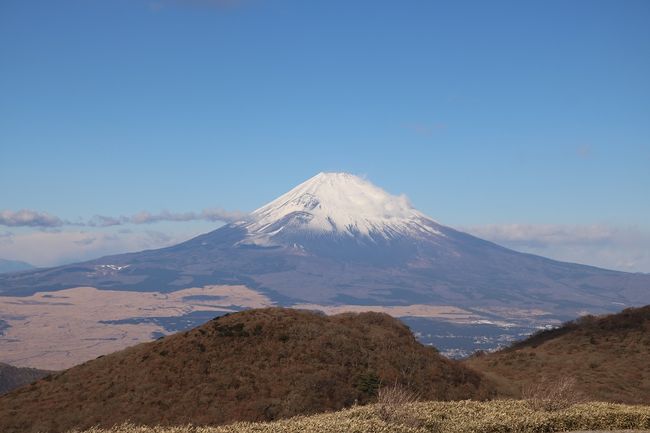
{"x": 254, "y": 365}
{"x": 609, "y": 356}
{"x": 14, "y": 377}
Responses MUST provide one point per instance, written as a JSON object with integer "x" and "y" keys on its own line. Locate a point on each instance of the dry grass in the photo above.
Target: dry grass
{"x": 392, "y": 405}
{"x": 553, "y": 395}
{"x": 499, "y": 416}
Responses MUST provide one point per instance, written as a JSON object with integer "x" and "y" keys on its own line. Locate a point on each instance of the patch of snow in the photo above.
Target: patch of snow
{"x": 339, "y": 203}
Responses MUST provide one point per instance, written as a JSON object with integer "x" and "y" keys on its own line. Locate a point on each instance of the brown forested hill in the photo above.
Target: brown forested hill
{"x": 254, "y": 365}
{"x": 609, "y": 356}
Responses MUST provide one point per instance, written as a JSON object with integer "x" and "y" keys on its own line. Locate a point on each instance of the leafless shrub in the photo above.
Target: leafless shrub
{"x": 553, "y": 395}
{"x": 392, "y": 404}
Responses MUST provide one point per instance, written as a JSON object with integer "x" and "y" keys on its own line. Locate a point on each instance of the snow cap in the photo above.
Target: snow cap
{"x": 339, "y": 202}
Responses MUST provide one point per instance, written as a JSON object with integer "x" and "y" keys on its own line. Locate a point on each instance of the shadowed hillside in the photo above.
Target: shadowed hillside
{"x": 609, "y": 356}
{"x": 254, "y": 365}
{"x": 13, "y": 377}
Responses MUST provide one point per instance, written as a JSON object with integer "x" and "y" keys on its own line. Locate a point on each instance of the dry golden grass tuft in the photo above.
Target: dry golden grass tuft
{"x": 498, "y": 416}
{"x": 393, "y": 405}
{"x": 553, "y": 395}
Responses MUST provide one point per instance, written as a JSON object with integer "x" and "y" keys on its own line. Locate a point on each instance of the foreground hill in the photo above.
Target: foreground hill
{"x": 609, "y": 356}
{"x": 500, "y": 416}
{"x": 13, "y": 377}
{"x": 254, "y": 365}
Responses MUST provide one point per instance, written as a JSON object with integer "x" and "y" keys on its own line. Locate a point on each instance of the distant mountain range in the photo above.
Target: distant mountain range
{"x": 338, "y": 242}
{"x": 14, "y": 266}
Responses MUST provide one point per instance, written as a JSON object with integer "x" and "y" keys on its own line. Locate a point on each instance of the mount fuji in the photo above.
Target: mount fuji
{"x": 338, "y": 242}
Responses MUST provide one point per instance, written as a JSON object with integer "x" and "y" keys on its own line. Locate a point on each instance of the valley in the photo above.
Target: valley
{"x": 57, "y": 330}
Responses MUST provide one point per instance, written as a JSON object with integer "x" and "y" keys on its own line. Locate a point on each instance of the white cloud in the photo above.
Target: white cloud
{"x": 607, "y": 246}
{"x": 29, "y": 218}
{"x": 32, "y": 218}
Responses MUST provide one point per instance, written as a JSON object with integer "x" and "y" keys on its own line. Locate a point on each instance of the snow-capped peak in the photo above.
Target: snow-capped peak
{"x": 339, "y": 203}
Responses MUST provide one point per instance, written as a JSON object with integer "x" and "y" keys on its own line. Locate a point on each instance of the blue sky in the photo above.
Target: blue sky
{"x": 511, "y": 119}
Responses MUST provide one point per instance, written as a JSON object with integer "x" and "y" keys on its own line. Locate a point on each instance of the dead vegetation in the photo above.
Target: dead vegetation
{"x": 607, "y": 356}
{"x": 257, "y": 365}
{"x": 552, "y": 395}
{"x": 393, "y": 405}
{"x": 498, "y": 416}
